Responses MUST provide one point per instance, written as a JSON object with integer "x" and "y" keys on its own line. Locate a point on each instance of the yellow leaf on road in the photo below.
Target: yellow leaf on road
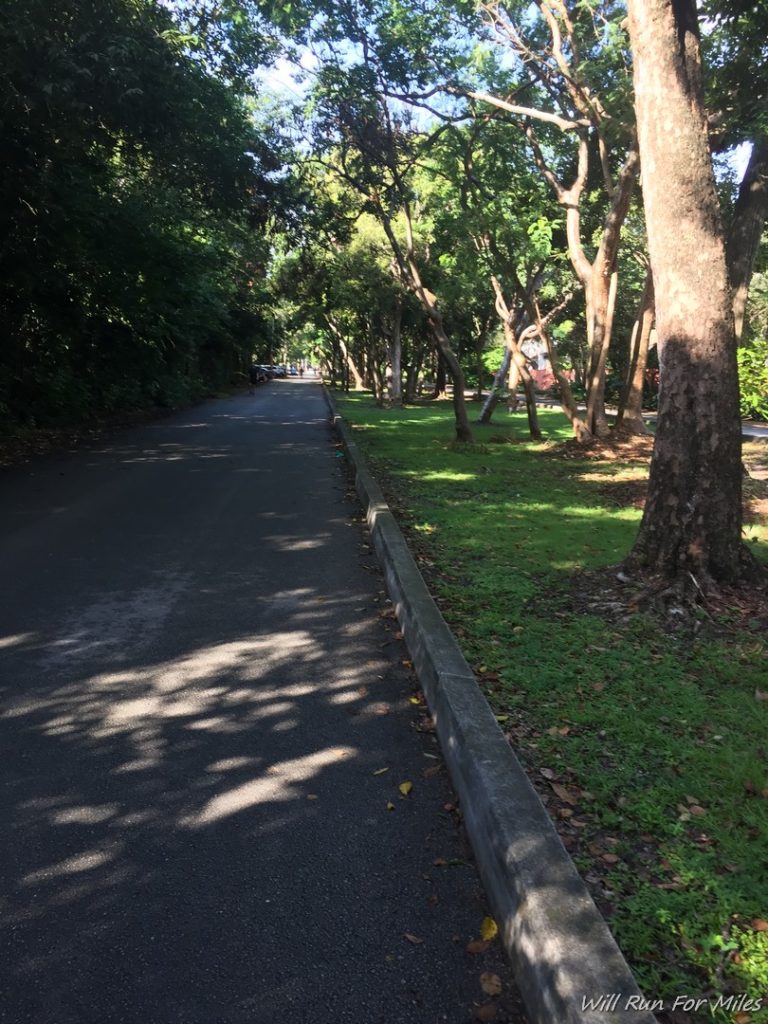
{"x": 405, "y": 788}
{"x": 489, "y": 929}
{"x": 390, "y": 805}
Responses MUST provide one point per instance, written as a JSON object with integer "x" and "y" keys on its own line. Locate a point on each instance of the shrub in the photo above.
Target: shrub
{"x": 753, "y": 379}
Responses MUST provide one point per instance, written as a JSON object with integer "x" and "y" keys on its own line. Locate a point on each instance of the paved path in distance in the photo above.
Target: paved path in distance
{"x": 198, "y": 697}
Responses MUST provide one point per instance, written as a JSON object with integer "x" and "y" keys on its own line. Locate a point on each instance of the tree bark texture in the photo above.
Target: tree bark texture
{"x": 693, "y": 516}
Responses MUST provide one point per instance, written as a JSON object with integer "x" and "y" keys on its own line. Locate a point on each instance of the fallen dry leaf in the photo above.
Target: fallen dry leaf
{"x": 440, "y": 862}
{"x": 311, "y": 796}
{"x": 564, "y": 793}
{"x": 405, "y": 788}
{"x": 380, "y": 771}
{"x": 390, "y": 805}
{"x": 610, "y": 858}
{"x": 477, "y": 947}
{"x": 760, "y": 925}
{"x": 413, "y": 939}
{"x": 742, "y": 1017}
{"x": 598, "y": 687}
{"x": 761, "y": 695}
{"x": 491, "y": 984}
{"x": 489, "y": 929}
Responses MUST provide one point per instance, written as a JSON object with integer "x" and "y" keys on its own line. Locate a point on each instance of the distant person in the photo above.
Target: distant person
{"x": 253, "y": 377}
{"x": 301, "y": 371}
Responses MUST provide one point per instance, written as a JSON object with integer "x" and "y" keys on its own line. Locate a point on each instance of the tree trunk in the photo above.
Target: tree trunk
{"x": 693, "y": 514}
{"x": 599, "y": 276}
{"x": 749, "y": 218}
{"x": 441, "y": 377}
{"x": 489, "y": 406}
{"x": 411, "y": 382}
{"x": 395, "y": 382}
{"x": 513, "y": 380}
{"x": 512, "y": 325}
{"x": 630, "y": 418}
{"x": 348, "y": 365}
{"x": 568, "y": 404}
{"x": 603, "y": 302}
{"x": 463, "y": 430}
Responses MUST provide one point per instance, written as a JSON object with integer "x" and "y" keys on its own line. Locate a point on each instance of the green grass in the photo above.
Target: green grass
{"x": 649, "y": 747}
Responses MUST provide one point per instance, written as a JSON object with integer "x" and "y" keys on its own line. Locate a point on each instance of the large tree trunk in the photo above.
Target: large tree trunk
{"x": 693, "y": 515}
{"x": 749, "y": 218}
{"x": 630, "y": 417}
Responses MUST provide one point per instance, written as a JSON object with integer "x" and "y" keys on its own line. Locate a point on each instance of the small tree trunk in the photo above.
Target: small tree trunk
{"x": 518, "y": 358}
{"x": 513, "y": 380}
{"x": 441, "y": 377}
{"x": 489, "y": 406}
{"x": 749, "y": 218}
{"x": 603, "y": 302}
{"x": 411, "y": 382}
{"x": 396, "y": 356}
{"x": 463, "y": 430}
{"x": 630, "y": 418}
{"x": 693, "y": 515}
{"x": 348, "y": 363}
{"x": 568, "y": 404}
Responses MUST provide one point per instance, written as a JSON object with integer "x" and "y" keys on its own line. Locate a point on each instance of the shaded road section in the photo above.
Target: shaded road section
{"x": 198, "y": 693}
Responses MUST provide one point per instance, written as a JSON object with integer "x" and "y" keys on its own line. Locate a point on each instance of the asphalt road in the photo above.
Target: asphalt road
{"x": 198, "y": 694}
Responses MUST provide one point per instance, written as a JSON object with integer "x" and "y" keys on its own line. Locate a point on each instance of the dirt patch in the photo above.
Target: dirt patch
{"x": 616, "y": 448}
{"x": 616, "y": 595}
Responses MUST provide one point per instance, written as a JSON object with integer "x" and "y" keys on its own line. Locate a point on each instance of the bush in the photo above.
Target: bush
{"x": 753, "y": 379}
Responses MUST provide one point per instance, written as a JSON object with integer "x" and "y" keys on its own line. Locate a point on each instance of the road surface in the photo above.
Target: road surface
{"x": 204, "y": 723}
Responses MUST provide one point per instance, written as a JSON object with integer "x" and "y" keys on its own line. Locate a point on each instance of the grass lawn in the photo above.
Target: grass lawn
{"x": 648, "y": 746}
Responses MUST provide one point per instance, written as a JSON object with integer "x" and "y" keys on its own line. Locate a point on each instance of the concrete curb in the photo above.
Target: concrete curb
{"x": 566, "y": 962}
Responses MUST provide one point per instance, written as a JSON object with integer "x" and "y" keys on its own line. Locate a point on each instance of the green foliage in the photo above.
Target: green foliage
{"x": 131, "y": 211}
{"x": 753, "y": 379}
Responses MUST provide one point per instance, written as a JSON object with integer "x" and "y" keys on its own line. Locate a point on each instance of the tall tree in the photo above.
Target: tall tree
{"x": 691, "y": 526}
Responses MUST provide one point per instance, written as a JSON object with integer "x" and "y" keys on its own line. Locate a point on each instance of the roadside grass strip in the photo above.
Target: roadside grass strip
{"x": 648, "y": 745}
